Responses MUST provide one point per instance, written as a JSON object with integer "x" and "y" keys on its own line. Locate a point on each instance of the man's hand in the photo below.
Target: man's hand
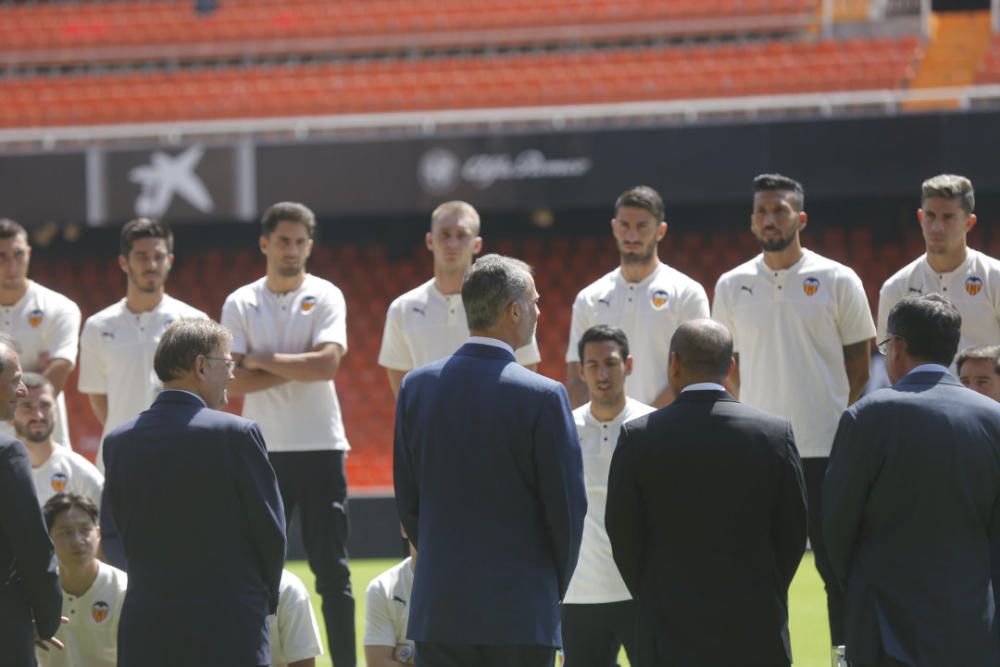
{"x": 45, "y": 644}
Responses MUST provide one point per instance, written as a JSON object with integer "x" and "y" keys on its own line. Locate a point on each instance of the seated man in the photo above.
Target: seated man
{"x": 387, "y": 608}
{"x": 295, "y": 640}
{"x": 93, "y": 591}
{"x": 54, "y": 469}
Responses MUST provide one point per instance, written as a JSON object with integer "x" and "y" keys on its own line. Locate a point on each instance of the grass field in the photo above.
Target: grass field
{"x": 810, "y": 636}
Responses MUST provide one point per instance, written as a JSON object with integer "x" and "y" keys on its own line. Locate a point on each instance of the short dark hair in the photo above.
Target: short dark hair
{"x": 183, "y": 341}
{"x": 950, "y": 186}
{"x": 644, "y": 197}
{"x": 144, "y": 228}
{"x": 600, "y": 333}
{"x": 704, "y": 347}
{"x": 287, "y": 211}
{"x": 930, "y": 325}
{"x": 492, "y": 282}
{"x": 64, "y": 502}
{"x": 988, "y": 352}
{"x": 36, "y": 381}
{"x": 780, "y": 183}
{"x": 9, "y": 229}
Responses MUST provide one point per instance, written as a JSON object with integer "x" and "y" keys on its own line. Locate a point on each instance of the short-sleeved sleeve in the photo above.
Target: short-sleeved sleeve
{"x": 93, "y": 370}
{"x": 695, "y": 303}
{"x": 888, "y": 297}
{"x": 63, "y": 339}
{"x": 299, "y": 633}
{"x": 395, "y": 352}
{"x": 854, "y": 316}
{"x": 581, "y": 321}
{"x": 721, "y": 312}
{"x": 332, "y": 325}
{"x": 232, "y": 319}
{"x": 529, "y": 354}
{"x": 91, "y": 481}
{"x": 379, "y": 628}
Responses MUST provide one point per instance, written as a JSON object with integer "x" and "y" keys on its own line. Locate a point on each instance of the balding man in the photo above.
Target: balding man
{"x": 703, "y": 486}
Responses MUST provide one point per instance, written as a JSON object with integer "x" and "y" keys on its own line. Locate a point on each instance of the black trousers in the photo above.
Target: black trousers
{"x": 316, "y": 483}
{"x": 814, "y": 469}
{"x": 432, "y": 654}
{"x": 593, "y": 633}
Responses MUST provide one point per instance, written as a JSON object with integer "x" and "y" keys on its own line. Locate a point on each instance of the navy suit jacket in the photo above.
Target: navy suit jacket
{"x": 489, "y": 486}
{"x": 911, "y": 502}
{"x": 29, "y": 587}
{"x": 196, "y": 503}
{"x": 707, "y": 519}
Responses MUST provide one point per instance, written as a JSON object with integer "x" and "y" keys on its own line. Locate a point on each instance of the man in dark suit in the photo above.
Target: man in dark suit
{"x": 912, "y": 502}
{"x": 706, "y": 513}
{"x": 197, "y": 507}
{"x": 29, "y": 587}
{"x": 489, "y": 486}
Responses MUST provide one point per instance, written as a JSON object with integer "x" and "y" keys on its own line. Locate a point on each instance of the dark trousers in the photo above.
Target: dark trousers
{"x": 593, "y": 633}
{"x": 815, "y": 470}
{"x": 432, "y": 654}
{"x": 316, "y": 483}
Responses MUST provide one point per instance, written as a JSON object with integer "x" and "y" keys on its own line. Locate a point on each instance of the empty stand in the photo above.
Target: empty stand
{"x": 579, "y": 77}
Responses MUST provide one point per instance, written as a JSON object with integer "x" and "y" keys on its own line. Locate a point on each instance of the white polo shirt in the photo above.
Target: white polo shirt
{"x": 116, "y": 357}
{"x": 43, "y": 321}
{"x": 596, "y": 579}
{"x": 91, "y": 636}
{"x": 648, "y": 312}
{"x": 425, "y": 325}
{"x": 790, "y": 328}
{"x": 974, "y": 289}
{"x": 294, "y": 416}
{"x": 294, "y": 633}
{"x": 67, "y": 472}
{"x": 387, "y": 606}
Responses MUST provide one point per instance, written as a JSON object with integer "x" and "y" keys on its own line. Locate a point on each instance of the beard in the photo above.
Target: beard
{"x": 147, "y": 284}
{"x": 643, "y": 256}
{"x": 35, "y": 437}
{"x": 776, "y": 245}
{"x": 291, "y": 271}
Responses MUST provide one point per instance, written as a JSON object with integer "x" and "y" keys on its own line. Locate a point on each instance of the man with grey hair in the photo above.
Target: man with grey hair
{"x": 428, "y": 322}
{"x": 30, "y": 599}
{"x": 197, "y": 506}
{"x": 489, "y": 485}
{"x": 968, "y": 278}
{"x": 738, "y": 466}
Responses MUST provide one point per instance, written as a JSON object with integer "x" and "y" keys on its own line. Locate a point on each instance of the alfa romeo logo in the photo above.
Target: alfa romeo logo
{"x": 438, "y": 171}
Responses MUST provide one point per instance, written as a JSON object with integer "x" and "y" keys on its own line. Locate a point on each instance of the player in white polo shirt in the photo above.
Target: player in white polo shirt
{"x": 93, "y": 592}
{"x": 117, "y": 343}
{"x": 55, "y": 469}
{"x": 428, "y": 322}
{"x": 598, "y": 613}
{"x": 295, "y": 640}
{"x": 966, "y": 277}
{"x": 643, "y": 296}
{"x": 387, "y": 610}
{"x": 44, "y": 324}
{"x": 289, "y": 334}
{"x": 801, "y": 330}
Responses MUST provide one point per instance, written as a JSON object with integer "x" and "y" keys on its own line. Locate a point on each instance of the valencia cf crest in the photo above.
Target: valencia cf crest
{"x": 58, "y": 481}
{"x": 35, "y": 318}
{"x": 659, "y": 299}
{"x": 308, "y": 303}
{"x": 100, "y": 612}
{"x": 810, "y": 285}
{"x": 973, "y": 285}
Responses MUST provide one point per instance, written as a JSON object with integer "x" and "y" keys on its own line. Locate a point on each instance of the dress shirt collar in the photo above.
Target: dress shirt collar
{"x": 703, "y": 386}
{"x": 928, "y": 368}
{"x": 493, "y": 342}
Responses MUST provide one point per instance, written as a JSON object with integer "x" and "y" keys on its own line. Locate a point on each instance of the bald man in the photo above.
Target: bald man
{"x": 702, "y": 486}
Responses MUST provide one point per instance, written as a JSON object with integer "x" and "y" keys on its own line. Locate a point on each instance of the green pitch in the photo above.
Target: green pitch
{"x": 810, "y": 635}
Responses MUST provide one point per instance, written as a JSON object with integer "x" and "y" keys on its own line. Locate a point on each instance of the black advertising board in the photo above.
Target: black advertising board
{"x": 40, "y": 188}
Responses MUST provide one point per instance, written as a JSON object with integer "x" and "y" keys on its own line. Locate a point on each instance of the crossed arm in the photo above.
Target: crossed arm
{"x": 258, "y": 371}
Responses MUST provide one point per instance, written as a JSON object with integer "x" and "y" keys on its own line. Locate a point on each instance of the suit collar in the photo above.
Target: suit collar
{"x": 926, "y": 378}
{"x": 699, "y": 395}
{"x": 180, "y": 396}
{"x": 484, "y": 351}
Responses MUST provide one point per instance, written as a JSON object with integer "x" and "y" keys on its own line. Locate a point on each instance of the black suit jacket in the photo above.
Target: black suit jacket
{"x": 489, "y": 486}
{"x": 707, "y": 519}
{"x": 196, "y": 503}
{"x": 29, "y": 587}
{"x": 911, "y": 502}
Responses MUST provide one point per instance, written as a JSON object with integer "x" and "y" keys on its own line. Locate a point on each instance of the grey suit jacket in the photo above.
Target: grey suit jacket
{"x": 911, "y": 502}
